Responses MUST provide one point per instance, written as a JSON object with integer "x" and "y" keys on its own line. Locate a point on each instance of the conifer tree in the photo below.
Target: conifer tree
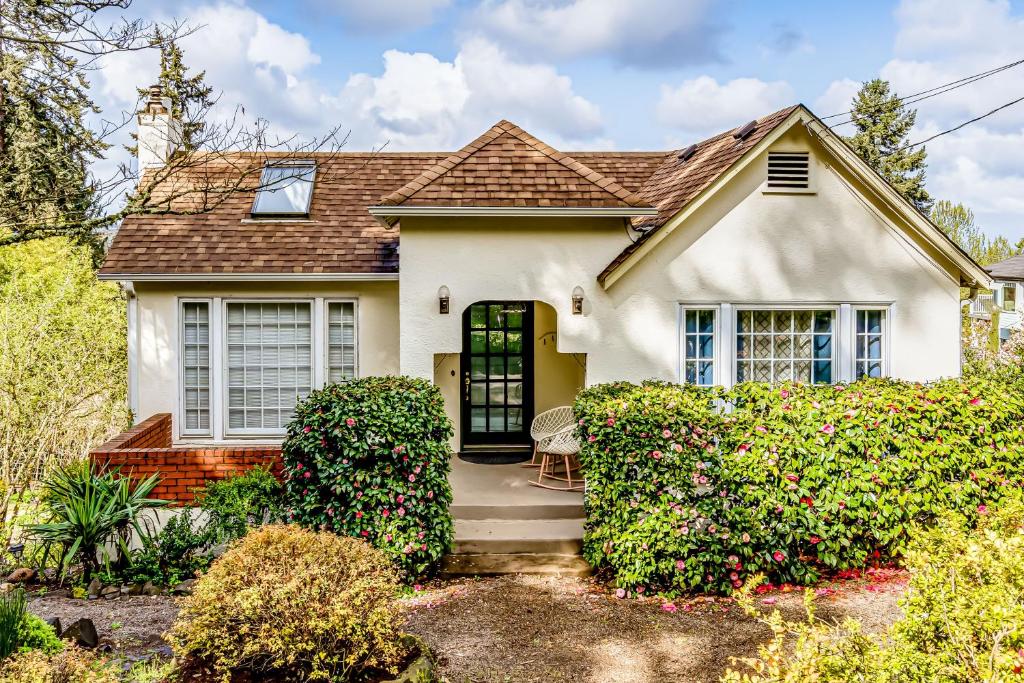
{"x": 883, "y": 124}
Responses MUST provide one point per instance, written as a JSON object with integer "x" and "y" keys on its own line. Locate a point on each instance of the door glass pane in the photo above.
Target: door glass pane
{"x": 478, "y": 315}
{"x": 514, "y": 319}
{"x": 497, "y": 366}
{"x": 478, "y": 342}
{"x": 515, "y": 393}
{"x": 495, "y": 318}
{"x": 496, "y": 420}
{"x": 478, "y": 420}
{"x": 514, "y": 342}
{"x": 515, "y": 420}
{"x": 497, "y": 342}
{"x": 515, "y": 367}
{"x": 496, "y": 392}
{"x": 478, "y": 394}
{"x": 478, "y": 367}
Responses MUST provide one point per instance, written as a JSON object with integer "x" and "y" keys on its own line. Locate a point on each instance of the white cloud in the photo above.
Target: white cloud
{"x": 703, "y": 106}
{"x": 640, "y": 33}
{"x": 420, "y": 102}
{"x": 385, "y": 15}
{"x": 836, "y": 98}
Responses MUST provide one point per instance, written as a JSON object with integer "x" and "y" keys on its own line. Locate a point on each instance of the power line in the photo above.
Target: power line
{"x": 936, "y": 90}
{"x": 958, "y": 127}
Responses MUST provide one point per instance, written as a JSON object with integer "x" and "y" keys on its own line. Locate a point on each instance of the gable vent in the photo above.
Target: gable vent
{"x": 788, "y": 170}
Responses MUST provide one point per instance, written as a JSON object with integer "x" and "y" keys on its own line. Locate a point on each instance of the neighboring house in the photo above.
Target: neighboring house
{"x": 512, "y": 275}
{"x": 1007, "y": 294}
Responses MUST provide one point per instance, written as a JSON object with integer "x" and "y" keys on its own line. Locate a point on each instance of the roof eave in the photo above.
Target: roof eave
{"x": 387, "y": 212}
{"x": 249, "y": 277}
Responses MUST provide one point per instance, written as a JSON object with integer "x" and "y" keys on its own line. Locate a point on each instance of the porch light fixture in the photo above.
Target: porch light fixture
{"x": 577, "y": 300}
{"x": 444, "y": 296}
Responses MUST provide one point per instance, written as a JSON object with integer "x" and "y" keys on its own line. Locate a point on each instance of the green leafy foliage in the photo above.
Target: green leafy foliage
{"x": 241, "y": 501}
{"x": 36, "y": 634}
{"x": 179, "y": 551}
{"x": 963, "y": 615}
{"x": 72, "y": 664}
{"x": 302, "y": 604}
{"x": 370, "y": 459}
{"x": 793, "y": 478}
{"x": 89, "y": 508}
{"x": 12, "y": 611}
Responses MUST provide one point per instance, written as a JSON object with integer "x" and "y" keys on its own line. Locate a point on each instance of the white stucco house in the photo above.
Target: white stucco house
{"x": 1007, "y": 294}
{"x": 512, "y": 274}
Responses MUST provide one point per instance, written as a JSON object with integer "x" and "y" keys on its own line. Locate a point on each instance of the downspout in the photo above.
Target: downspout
{"x": 133, "y": 348}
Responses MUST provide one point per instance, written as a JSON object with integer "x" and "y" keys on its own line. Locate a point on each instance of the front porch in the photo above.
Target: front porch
{"x": 503, "y": 525}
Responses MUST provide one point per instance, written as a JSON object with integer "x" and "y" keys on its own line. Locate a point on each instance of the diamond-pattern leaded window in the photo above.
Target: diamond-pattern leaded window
{"x": 784, "y": 345}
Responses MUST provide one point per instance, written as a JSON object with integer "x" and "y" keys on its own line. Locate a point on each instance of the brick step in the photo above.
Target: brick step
{"x": 570, "y": 508}
{"x": 472, "y": 564}
{"x": 508, "y": 536}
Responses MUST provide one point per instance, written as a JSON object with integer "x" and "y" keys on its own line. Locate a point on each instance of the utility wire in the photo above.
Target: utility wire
{"x": 937, "y": 90}
{"x": 958, "y": 127}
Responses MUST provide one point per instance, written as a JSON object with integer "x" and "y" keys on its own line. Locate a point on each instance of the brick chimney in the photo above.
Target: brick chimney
{"x": 159, "y": 134}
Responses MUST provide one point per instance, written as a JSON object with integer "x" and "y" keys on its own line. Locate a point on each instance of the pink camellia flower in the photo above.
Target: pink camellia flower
{"x": 400, "y": 512}
{"x": 975, "y": 401}
{"x": 668, "y": 607}
{"x": 778, "y": 556}
{"x": 745, "y": 537}
{"x": 349, "y": 421}
{"x": 430, "y": 494}
{"x": 359, "y": 514}
{"x": 591, "y": 438}
{"x": 656, "y": 455}
{"x": 677, "y": 447}
{"x": 420, "y": 535}
{"x": 733, "y": 576}
{"x": 400, "y": 499}
{"x": 364, "y": 533}
{"x": 388, "y": 538}
{"x": 735, "y": 584}
{"x": 680, "y": 565}
{"x": 828, "y": 428}
{"x": 298, "y": 466}
{"x": 611, "y": 421}
{"x": 792, "y": 477}
{"x": 769, "y": 601}
{"x": 307, "y": 475}
{"x": 416, "y": 469}
{"x": 761, "y": 428}
{"x": 982, "y": 509}
{"x": 667, "y": 434}
{"x": 307, "y": 429}
{"x": 407, "y": 549}
{"x": 842, "y": 505}
{"x": 423, "y": 547}
{"x": 640, "y": 589}
{"x": 784, "y": 393}
{"x": 417, "y": 587}
{"x": 815, "y": 540}
{"x": 620, "y": 593}
{"x": 344, "y": 461}
{"x": 732, "y": 559}
{"x": 744, "y": 447}
{"x": 412, "y": 477}
{"x": 582, "y": 421}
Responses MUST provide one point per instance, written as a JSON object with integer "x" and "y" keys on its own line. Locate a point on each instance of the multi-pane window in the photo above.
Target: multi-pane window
{"x": 869, "y": 346}
{"x": 341, "y": 341}
{"x": 195, "y": 366}
{"x": 269, "y": 362}
{"x": 497, "y": 356}
{"x": 1010, "y": 297}
{"x": 784, "y": 345}
{"x": 699, "y": 346}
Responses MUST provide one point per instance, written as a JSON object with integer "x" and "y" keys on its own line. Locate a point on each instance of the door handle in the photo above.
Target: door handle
{"x": 465, "y": 384}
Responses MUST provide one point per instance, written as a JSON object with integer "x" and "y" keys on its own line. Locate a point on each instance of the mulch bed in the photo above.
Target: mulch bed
{"x": 530, "y": 628}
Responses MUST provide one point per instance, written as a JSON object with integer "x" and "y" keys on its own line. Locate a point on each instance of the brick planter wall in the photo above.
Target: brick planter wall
{"x": 147, "y": 448}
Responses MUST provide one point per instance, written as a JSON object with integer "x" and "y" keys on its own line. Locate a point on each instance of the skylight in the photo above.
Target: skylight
{"x": 286, "y": 188}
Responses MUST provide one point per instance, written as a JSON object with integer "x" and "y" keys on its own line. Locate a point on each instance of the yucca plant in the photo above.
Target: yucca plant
{"x": 12, "y": 611}
{"x": 90, "y": 509}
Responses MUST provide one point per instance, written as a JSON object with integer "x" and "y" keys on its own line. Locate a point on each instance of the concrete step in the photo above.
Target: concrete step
{"x": 570, "y": 508}
{"x": 472, "y": 564}
{"x": 506, "y": 537}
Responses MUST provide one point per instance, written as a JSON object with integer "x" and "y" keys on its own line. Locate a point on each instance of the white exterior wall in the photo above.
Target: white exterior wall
{"x": 743, "y": 246}
{"x": 156, "y": 329}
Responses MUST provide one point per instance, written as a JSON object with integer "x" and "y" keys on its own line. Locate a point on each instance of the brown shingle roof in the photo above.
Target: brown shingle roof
{"x": 1010, "y": 269}
{"x": 504, "y": 167}
{"x": 678, "y": 181}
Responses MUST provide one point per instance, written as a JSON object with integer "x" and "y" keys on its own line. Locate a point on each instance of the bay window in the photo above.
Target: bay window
{"x": 244, "y": 364}
{"x": 827, "y": 344}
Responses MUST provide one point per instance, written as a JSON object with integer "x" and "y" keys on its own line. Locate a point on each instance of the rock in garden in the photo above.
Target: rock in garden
{"x": 184, "y": 588}
{"x": 109, "y": 592}
{"x": 54, "y": 623}
{"x": 83, "y": 633}
{"x": 149, "y": 589}
{"x": 94, "y": 589}
{"x": 131, "y": 589}
{"x": 22, "y": 575}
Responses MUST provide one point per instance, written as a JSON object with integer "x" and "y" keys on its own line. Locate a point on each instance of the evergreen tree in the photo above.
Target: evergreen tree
{"x": 883, "y": 125}
{"x": 190, "y": 96}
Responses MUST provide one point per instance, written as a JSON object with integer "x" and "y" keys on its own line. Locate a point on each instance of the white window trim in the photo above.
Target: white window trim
{"x": 182, "y": 430}
{"x": 812, "y": 186}
{"x": 219, "y": 431}
{"x": 886, "y": 337}
{"x": 843, "y": 336}
{"x": 355, "y": 335}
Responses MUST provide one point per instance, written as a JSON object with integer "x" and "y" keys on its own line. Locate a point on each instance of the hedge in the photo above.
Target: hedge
{"x": 692, "y": 489}
{"x": 370, "y": 458}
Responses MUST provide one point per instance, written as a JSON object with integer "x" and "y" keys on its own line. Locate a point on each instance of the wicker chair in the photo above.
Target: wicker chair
{"x": 546, "y": 424}
{"x": 560, "y": 450}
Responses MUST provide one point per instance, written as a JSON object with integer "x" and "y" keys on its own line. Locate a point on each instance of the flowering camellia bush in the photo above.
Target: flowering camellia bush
{"x": 696, "y": 489}
{"x": 370, "y": 458}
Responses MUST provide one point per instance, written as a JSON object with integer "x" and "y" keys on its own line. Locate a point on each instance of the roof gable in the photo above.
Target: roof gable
{"x": 508, "y": 167}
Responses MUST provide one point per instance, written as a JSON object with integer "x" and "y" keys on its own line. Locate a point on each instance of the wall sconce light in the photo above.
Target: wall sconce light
{"x": 444, "y": 296}
{"x": 577, "y": 300}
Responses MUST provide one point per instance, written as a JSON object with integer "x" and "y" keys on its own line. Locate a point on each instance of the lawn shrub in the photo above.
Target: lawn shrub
{"x": 308, "y": 605}
{"x": 792, "y": 478}
{"x": 71, "y": 665}
{"x": 370, "y": 458}
{"x": 239, "y": 502}
{"x": 963, "y": 615}
{"x": 22, "y": 631}
{"x": 180, "y": 551}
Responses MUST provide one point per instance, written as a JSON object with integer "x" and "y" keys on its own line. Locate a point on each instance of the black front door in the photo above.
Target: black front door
{"x": 497, "y": 373}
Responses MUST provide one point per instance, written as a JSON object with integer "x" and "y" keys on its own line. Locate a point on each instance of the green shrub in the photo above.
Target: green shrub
{"x": 71, "y": 665}
{"x": 12, "y": 612}
{"x": 370, "y": 459}
{"x": 36, "y": 634}
{"x": 312, "y": 606}
{"x": 682, "y": 496}
{"x": 239, "y": 502}
{"x": 963, "y": 616}
{"x": 179, "y": 551}
{"x": 89, "y": 508}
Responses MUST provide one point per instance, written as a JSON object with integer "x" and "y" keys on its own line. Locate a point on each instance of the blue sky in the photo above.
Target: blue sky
{"x": 642, "y": 74}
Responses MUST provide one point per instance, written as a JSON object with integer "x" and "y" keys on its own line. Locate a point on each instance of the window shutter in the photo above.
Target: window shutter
{"x": 788, "y": 170}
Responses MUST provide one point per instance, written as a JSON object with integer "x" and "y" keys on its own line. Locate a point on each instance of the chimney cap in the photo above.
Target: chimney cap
{"x": 156, "y": 103}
